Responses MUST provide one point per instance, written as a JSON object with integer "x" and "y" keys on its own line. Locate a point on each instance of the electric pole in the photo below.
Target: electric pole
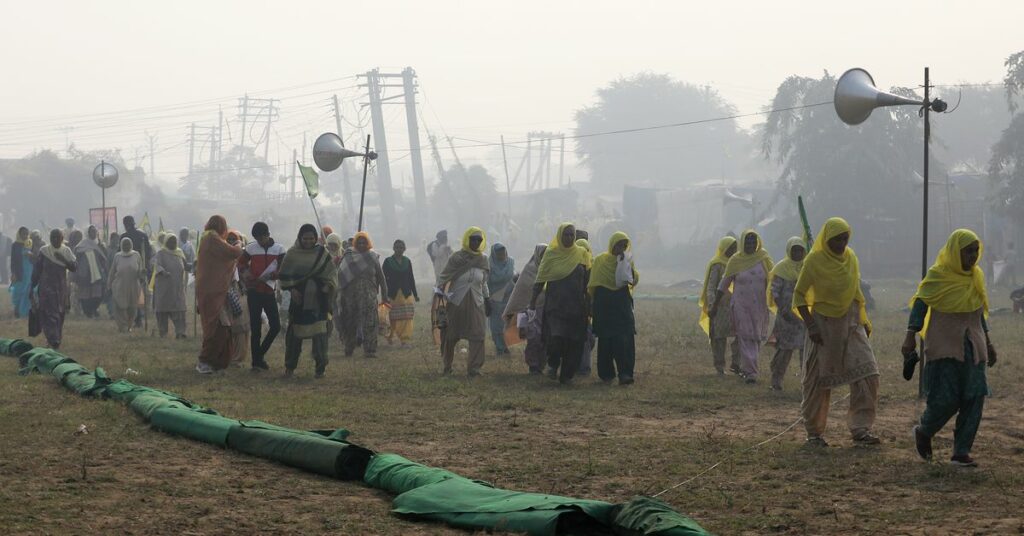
{"x": 344, "y": 164}
{"x": 385, "y": 193}
{"x": 409, "y": 85}
{"x": 152, "y": 154}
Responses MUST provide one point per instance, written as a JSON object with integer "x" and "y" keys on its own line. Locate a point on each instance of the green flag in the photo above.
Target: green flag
{"x": 808, "y": 238}
{"x": 311, "y": 179}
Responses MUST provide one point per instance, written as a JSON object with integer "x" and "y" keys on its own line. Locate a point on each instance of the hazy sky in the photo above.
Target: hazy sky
{"x": 486, "y": 68}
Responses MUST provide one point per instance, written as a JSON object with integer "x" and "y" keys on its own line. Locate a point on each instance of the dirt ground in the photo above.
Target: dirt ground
{"x": 517, "y": 431}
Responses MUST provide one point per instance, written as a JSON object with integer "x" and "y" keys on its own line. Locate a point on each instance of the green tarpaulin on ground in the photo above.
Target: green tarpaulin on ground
{"x": 205, "y": 427}
{"x": 396, "y": 474}
{"x": 644, "y": 516}
{"x": 424, "y": 492}
{"x": 303, "y": 450}
{"x": 473, "y": 505}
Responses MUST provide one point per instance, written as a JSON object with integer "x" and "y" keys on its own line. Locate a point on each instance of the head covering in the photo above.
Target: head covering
{"x": 947, "y": 287}
{"x": 743, "y": 261}
{"x": 829, "y": 283}
{"x": 465, "y": 258}
{"x": 603, "y": 272}
{"x": 522, "y": 292}
{"x": 302, "y": 264}
{"x": 218, "y": 225}
{"x": 333, "y": 238}
{"x": 723, "y": 245}
{"x": 126, "y": 241}
{"x": 328, "y": 230}
{"x": 560, "y": 261}
{"x": 787, "y": 269}
{"x": 22, "y": 237}
{"x": 362, "y": 234}
{"x": 51, "y": 252}
{"x": 471, "y": 232}
{"x": 501, "y": 272}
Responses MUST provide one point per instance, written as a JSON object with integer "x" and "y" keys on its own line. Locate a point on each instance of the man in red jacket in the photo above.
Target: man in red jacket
{"x": 259, "y": 267}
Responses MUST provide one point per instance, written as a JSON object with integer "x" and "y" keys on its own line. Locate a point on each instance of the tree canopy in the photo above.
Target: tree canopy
{"x": 668, "y": 157}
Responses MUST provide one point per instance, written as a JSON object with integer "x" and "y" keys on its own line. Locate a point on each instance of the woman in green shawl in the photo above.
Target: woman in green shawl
{"x": 309, "y": 275}
{"x": 469, "y": 301}
{"x": 562, "y": 277}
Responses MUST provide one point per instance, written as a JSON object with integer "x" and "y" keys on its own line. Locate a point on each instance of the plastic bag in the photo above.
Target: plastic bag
{"x": 624, "y": 271}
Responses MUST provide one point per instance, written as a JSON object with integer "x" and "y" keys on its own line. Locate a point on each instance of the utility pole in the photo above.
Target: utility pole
{"x": 561, "y": 159}
{"x": 409, "y": 85}
{"x": 244, "y": 115}
{"x": 295, "y": 157}
{"x": 508, "y": 185}
{"x": 385, "y": 193}
{"x": 191, "y": 147}
{"x": 344, "y": 164}
{"x": 152, "y": 154}
{"x": 270, "y": 117}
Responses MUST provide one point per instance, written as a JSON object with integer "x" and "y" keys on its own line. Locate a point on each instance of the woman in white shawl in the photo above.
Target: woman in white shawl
{"x": 126, "y": 279}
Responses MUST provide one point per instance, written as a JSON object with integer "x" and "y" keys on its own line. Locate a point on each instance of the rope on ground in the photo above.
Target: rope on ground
{"x": 748, "y": 449}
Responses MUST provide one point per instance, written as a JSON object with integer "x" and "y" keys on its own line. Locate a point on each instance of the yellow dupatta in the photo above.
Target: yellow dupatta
{"x": 947, "y": 287}
{"x": 602, "y": 274}
{"x": 559, "y": 261}
{"x": 743, "y": 261}
{"x": 723, "y": 245}
{"x": 787, "y": 269}
{"x": 829, "y": 283}
{"x": 469, "y": 234}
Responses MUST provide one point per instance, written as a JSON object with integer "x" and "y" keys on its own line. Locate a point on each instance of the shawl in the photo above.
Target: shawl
{"x": 723, "y": 245}
{"x": 743, "y": 261}
{"x": 301, "y": 265}
{"x": 176, "y": 252}
{"x": 559, "y": 261}
{"x": 355, "y": 265}
{"x": 397, "y": 265}
{"x": 121, "y": 250}
{"x": 500, "y": 272}
{"x": 947, "y": 287}
{"x": 603, "y": 272}
{"x": 50, "y": 252}
{"x": 522, "y": 292}
{"x": 465, "y": 258}
{"x": 90, "y": 247}
{"x": 829, "y": 283}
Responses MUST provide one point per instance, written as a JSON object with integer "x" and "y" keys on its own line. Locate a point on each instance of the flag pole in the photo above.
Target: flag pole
{"x": 362, "y": 196}
{"x": 320, "y": 227}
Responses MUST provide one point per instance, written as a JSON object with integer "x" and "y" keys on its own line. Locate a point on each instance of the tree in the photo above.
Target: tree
{"x": 869, "y": 174}
{"x": 964, "y": 139}
{"x": 1006, "y": 168}
{"x": 468, "y": 195}
{"x": 666, "y": 157}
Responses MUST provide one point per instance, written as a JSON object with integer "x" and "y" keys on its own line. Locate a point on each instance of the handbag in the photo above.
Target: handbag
{"x": 234, "y": 301}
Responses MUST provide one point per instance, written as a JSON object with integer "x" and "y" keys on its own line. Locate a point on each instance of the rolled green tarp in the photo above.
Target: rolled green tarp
{"x": 43, "y": 360}
{"x": 14, "y": 347}
{"x": 205, "y": 427}
{"x": 474, "y": 505}
{"x": 645, "y": 516}
{"x": 311, "y": 451}
{"x": 145, "y": 405}
{"x": 396, "y": 474}
{"x": 64, "y": 369}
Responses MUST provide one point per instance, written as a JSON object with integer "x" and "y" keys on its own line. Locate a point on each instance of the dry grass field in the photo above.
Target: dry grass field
{"x": 517, "y": 431}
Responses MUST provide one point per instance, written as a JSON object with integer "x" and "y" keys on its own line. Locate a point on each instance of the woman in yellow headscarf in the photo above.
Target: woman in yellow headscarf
{"x": 562, "y": 277}
{"x": 469, "y": 301}
{"x": 747, "y": 275}
{"x": 614, "y": 324}
{"x": 719, "y": 327}
{"x": 830, "y": 301}
{"x": 789, "y": 331}
{"x": 949, "y": 309}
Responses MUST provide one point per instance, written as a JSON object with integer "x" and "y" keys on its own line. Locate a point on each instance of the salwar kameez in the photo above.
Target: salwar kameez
{"x": 565, "y": 322}
{"x": 401, "y": 284}
{"x": 50, "y": 280}
{"x": 845, "y": 358}
{"x": 169, "y": 292}
{"x": 721, "y": 323}
{"x": 750, "y": 316}
{"x": 403, "y": 309}
{"x": 789, "y": 331}
{"x": 125, "y": 281}
{"x": 360, "y": 320}
{"x": 466, "y": 319}
{"x": 615, "y": 328}
{"x": 954, "y": 384}
{"x": 21, "y": 277}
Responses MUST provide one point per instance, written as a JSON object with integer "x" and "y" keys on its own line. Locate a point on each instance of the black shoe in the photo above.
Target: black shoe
{"x": 626, "y": 380}
{"x": 909, "y": 365}
{"x": 923, "y": 444}
{"x": 260, "y": 365}
{"x": 963, "y": 460}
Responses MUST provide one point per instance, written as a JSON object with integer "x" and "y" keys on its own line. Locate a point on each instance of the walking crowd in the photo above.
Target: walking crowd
{"x": 563, "y": 303}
